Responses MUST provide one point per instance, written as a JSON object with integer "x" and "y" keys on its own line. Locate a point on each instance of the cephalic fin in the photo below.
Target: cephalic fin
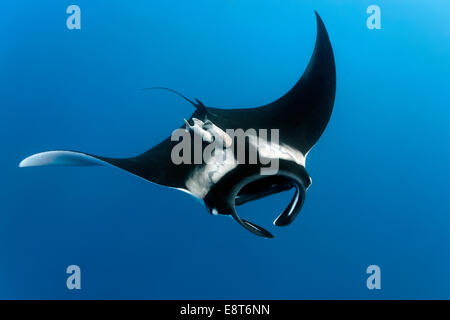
{"x": 253, "y": 228}
{"x": 294, "y": 207}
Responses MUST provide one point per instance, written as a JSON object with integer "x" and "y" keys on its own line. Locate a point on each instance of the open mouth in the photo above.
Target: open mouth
{"x": 266, "y": 186}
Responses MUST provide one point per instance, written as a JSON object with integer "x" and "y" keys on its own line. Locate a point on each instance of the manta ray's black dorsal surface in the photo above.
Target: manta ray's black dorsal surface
{"x": 300, "y": 116}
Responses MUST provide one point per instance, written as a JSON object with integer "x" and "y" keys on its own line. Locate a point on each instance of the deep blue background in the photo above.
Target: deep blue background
{"x": 380, "y": 173}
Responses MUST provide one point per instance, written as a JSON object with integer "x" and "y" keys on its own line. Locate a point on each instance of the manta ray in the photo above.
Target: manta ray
{"x": 300, "y": 115}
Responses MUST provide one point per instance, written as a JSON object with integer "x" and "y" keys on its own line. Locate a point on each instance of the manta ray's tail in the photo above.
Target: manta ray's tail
{"x": 198, "y": 104}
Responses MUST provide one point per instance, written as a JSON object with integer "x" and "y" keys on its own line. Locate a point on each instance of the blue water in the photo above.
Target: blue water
{"x": 380, "y": 173}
